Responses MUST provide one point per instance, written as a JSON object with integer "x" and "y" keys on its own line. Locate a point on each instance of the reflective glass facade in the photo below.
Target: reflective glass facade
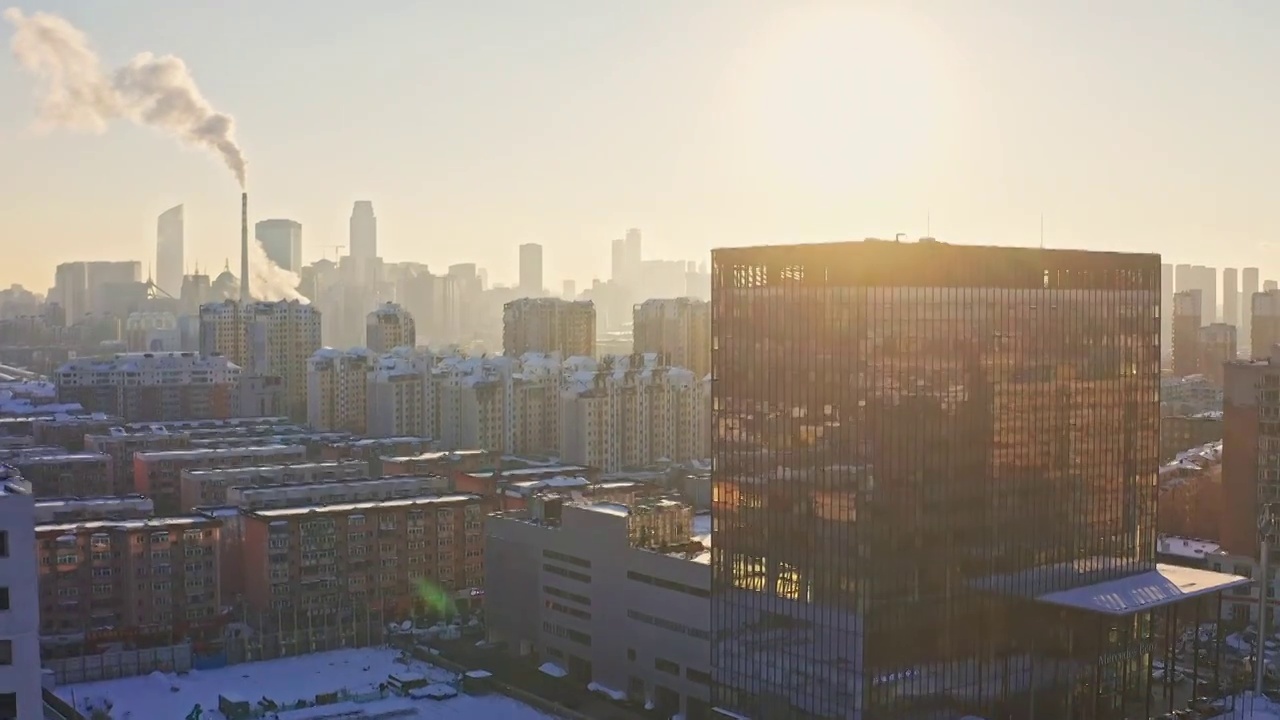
{"x": 912, "y": 441}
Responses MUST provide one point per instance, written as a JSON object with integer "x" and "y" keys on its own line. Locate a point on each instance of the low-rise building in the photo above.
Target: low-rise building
{"x": 20, "y": 693}
{"x": 106, "y": 507}
{"x": 262, "y": 497}
{"x": 144, "y": 581}
{"x": 68, "y": 474}
{"x": 324, "y": 566}
{"x": 373, "y": 450}
{"x": 1179, "y": 432}
{"x": 209, "y": 486}
{"x": 159, "y": 474}
{"x": 615, "y": 597}
{"x": 69, "y": 431}
{"x": 120, "y": 444}
{"x": 152, "y": 386}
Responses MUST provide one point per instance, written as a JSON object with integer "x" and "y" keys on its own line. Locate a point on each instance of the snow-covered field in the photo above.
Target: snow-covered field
{"x": 285, "y": 681}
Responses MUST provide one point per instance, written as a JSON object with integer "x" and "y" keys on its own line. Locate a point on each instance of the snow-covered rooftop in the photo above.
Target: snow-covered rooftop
{"x": 161, "y": 696}
{"x": 365, "y": 505}
{"x": 157, "y": 523}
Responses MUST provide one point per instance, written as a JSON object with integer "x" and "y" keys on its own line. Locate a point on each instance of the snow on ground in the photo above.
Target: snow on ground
{"x": 151, "y": 697}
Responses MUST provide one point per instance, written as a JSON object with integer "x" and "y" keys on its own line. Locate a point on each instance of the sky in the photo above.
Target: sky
{"x": 1147, "y": 125}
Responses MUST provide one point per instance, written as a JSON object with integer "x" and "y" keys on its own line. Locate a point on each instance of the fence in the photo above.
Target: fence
{"x": 302, "y": 641}
{"x": 126, "y": 663}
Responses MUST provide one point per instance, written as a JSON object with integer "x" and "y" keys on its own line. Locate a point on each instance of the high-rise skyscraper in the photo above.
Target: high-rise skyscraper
{"x": 934, "y": 469}
{"x": 1187, "y": 306}
{"x": 364, "y": 231}
{"x": 282, "y": 242}
{"x": 1230, "y": 297}
{"x": 531, "y": 270}
{"x": 1248, "y": 286}
{"x": 170, "y": 251}
{"x": 1183, "y": 278}
{"x": 1166, "y": 311}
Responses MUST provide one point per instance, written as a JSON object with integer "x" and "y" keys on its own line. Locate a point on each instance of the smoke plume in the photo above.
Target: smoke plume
{"x": 77, "y": 93}
{"x": 269, "y": 281}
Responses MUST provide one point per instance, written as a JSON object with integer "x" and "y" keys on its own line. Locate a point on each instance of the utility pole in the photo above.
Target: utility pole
{"x": 1266, "y": 527}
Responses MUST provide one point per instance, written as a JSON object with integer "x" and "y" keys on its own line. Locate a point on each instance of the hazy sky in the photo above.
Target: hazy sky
{"x": 475, "y": 126}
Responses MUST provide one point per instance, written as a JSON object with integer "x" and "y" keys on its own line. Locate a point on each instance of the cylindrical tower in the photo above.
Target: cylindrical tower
{"x": 244, "y": 247}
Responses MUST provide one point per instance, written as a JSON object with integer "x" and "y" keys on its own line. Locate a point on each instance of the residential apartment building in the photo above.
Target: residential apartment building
{"x": 273, "y": 339}
{"x": 67, "y": 475}
{"x": 677, "y": 329}
{"x": 373, "y": 450}
{"x": 321, "y": 565}
{"x": 152, "y": 386}
{"x": 1250, "y": 448}
{"x": 549, "y": 325}
{"x": 1265, "y": 328}
{"x": 207, "y": 487}
{"x": 120, "y": 444}
{"x": 473, "y": 402}
{"x": 78, "y": 509}
{"x": 20, "y": 678}
{"x": 147, "y": 581}
{"x": 630, "y": 412}
{"x": 1217, "y": 346}
{"x": 388, "y": 327}
{"x": 337, "y": 389}
{"x": 70, "y": 431}
{"x": 349, "y": 490}
{"x": 159, "y": 474}
{"x": 401, "y": 396}
{"x": 609, "y": 594}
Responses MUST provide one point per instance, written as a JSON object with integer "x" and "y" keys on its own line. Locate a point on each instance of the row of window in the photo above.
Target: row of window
{"x": 668, "y": 584}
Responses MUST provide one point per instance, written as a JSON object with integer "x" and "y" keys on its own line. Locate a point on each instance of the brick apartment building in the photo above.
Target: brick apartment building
{"x": 158, "y": 474}
{"x": 208, "y": 486}
{"x": 70, "y": 432}
{"x": 373, "y": 450}
{"x": 82, "y": 474}
{"x": 146, "y": 581}
{"x": 121, "y": 446}
{"x": 81, "y": 509}
{"x": 327, "y": 564}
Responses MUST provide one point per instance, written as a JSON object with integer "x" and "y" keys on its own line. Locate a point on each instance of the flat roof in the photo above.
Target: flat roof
{"x": 160, "y": 523}
{"x": 1166, "y": 585}
{"x": 217, "y": 452}
{"x": 365, "y": 505}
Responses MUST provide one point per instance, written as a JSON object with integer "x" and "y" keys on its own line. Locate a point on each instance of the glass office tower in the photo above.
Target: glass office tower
{"x": 921, "y": 452}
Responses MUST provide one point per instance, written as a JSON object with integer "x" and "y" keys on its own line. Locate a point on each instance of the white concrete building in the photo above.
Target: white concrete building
{"x": 401, "y": 395}
{"x": 20, "y": 693}
{"x": 337, "y": 387}
{"x": 630, "y": 411}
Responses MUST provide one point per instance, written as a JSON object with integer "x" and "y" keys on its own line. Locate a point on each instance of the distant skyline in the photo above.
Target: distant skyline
{"x": 475, "y": 129}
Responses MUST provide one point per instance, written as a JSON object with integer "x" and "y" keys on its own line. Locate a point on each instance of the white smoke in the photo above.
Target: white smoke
{"x": 77, "y": 93}
{"x": 158, "y": 92}
{"x": 269, "y": 281}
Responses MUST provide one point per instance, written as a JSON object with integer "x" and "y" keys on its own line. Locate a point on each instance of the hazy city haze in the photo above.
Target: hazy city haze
{"x": 473, "y": 129}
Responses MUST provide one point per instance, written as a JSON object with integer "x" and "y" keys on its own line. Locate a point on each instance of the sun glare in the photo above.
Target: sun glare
{"x": 841, "y": 98}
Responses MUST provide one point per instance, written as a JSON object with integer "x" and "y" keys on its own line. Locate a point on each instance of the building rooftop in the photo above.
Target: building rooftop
{"x": 197, "y": 453}
{"x": 338, "y": 483}
{"x": 40, "y": 458}
{"x": 1190, "y": 548}
{"x": 11, "y": 482}
{"x": 278, "y": 513}
{"x": 158, "y": 523}
{"x": 306, "y": 465}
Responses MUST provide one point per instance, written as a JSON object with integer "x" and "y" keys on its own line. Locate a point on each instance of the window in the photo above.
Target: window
{"x": 4, "y": 598}
{"x": 697, "y": 676}
{"x": 666, "y": 666}
{"x": 6, "y": 652}
{"x": 8, "y": 706}
{"x": 4, "y": 543}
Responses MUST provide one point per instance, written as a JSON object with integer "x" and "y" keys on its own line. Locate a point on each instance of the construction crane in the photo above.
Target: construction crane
{"x": 337, "y": 251}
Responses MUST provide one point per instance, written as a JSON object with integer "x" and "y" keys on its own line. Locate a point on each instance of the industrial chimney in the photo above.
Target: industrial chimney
{"x": 244, "y": 247}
